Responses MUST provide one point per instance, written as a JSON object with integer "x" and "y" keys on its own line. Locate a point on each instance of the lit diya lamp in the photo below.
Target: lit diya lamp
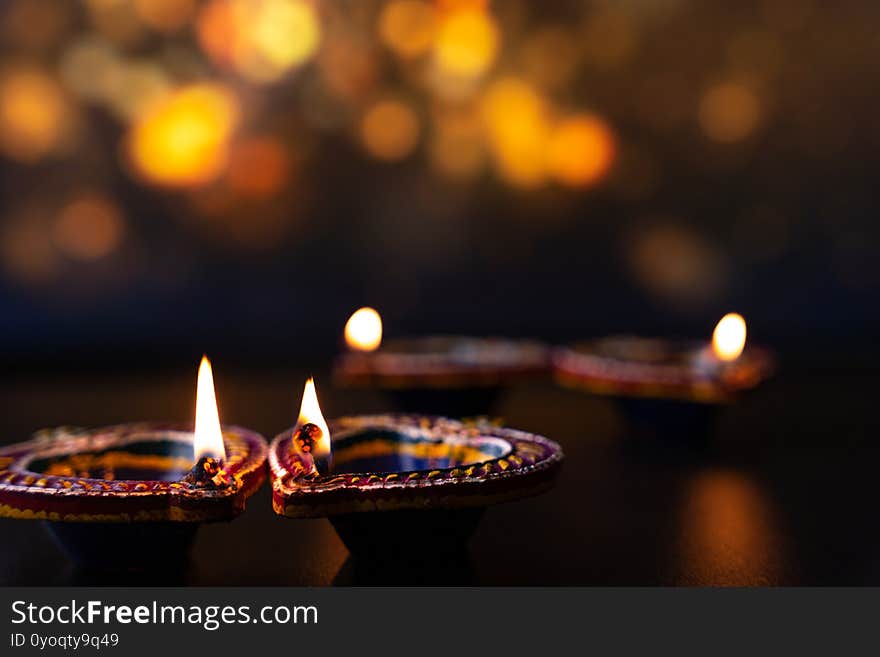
{"x": 133, "y": 495}
{"x": 441, "y": 375}
{"x": 403, "y": 486}
{"x": 666, "y": 388}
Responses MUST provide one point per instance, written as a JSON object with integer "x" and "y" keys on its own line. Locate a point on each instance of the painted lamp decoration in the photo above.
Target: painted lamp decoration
{"x": 133, "y": 495}
{"x": 668, "y": 389}
{"x": 403, "y": 486}
{"x": 459, "y": 376}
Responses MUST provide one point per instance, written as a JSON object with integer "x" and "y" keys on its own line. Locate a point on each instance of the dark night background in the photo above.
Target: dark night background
{"x": 558, "y": 171}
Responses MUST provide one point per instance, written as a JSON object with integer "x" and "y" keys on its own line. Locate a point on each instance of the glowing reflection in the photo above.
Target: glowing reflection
{"x": 183, "y": 140}
{"x": 726, "y": 531}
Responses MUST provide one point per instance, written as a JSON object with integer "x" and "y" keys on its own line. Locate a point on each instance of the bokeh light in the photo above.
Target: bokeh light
{"x": 408, "y": 26}
{"x": 517, "y": 121}
{"x": 390, "y": 130}
{"x": 467, "y": 43}
{"x": 258, "y": 167}
{"x": 580, "y": 151}
{"x": 457, "y": 148}
{"x": 34, "y": 114}
{"x": 260, "y": 39}
{"x": 729, "y": 112}
{"x": 88, "y": 228}
{"x": 183, "y": 140}
{"x": 165, "y": 15}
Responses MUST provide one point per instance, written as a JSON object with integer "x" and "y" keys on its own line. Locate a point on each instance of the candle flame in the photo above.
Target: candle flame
{"x": 729, "y": 338}
{"x": 363, "y": 331}
{"x": 208, "y": 437}
{"x": 310, "y": 412}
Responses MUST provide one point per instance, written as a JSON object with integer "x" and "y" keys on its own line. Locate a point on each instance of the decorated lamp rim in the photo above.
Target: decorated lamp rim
{"x": 531, "y": 458}
{"x": 584, "y": 365}
{"x": 25, "y": 493}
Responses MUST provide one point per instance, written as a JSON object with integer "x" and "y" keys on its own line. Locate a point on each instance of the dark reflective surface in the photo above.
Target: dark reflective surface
{"x": 784, "y": 492}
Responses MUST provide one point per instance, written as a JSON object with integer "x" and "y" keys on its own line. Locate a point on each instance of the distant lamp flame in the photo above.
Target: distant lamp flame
{"x": 363, "y": 331}
{"x": 318, "y": 441}
{"x": 208, "y": 437}
{"x": 729, "y": 338}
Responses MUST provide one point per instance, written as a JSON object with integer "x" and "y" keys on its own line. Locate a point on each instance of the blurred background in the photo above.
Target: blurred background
{"x": 237, "y": 176}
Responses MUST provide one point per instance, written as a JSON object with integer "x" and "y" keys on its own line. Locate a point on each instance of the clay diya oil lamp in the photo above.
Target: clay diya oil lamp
{"x": 132, "y": 496}
{"x": 403, "y": 487}
{"x": 668, "y": 389}
{"x": 439, "y": 375}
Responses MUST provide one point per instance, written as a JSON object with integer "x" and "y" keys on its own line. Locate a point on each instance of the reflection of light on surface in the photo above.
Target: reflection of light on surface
{"x": 88, "y": 228}
{"x": 27, "y": 254}
{"x": 33, "y": 115}
{"x": 456, "y": 147}
{"x": 580, "y": 151}
{"x": 729, "y": 337}
{"x": 183, "y": 140}
{"x": 363, "y": 330}
{"x": 673, "y": 262}
{"x": 258, "y": 167}
{"x": 466, "y": 43}
{"x": 729, "y": 112}
{"x": 261, "y": 39}
{"x": 515, "y": 117}
{"x": 725, "y": 531}
{"x": 165, "y": 15}
{"x": 550, "y": 56}
{"x": 407, "y": 26}
{"x": 390, "y": 130}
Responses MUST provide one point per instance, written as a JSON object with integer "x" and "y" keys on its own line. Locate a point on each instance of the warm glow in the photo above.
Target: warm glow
{"x": 33, "y": 115}
{"x": 729, "y": 337}
{"x": 467, "y": 43}
{"x": 581, "y": 150}
{"x": 261, "y": 39}
{"x": 208, "y": 437}
{"x": 518, "y": 126}
{"x": 183, "y": 139}
{"x": 310, "y": 413}
{"x": 258, "y": 167}
{"x": 407, "y": 26}
{"x": 390, "y": 130}
{"x": 363, "y": 330}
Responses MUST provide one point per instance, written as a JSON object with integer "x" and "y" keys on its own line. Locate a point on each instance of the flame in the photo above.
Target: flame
{"x": 363, "y": 330}
{"x": 310, "y": 412}
{"x": 729, "y": 337}
{"x": 208, "y": 438}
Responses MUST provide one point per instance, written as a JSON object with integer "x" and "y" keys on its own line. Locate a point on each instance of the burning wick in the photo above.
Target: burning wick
{"x": 311, "y": 436}
{"x": 728, "y": 343}
{"x": 209, "y": 451}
